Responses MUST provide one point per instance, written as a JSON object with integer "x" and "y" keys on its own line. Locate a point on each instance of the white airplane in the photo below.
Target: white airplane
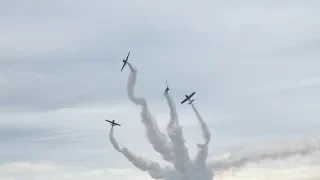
{"x": 188, "y": 98}
{"x": 125, "y": 61}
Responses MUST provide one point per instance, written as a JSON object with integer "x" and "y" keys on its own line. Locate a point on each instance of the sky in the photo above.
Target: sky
{"x": 253, "y": 65}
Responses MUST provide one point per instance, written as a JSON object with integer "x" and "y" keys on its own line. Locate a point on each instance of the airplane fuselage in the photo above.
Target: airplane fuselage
{"x": 167, "y": 89}
{"x": 188, "y": 98}
{"x": 125, "y": 61}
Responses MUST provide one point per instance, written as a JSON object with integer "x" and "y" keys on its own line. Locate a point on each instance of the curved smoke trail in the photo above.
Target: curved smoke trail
{"x": 202, "y": 154}
{"x": 182, "y": 158}
{"x": 155, "y": 136}
{"x": 153, "y": 168}
{"x": 113, "y": 140}
{"x": 176, "y": 151}
{"x": 205, "y": 130}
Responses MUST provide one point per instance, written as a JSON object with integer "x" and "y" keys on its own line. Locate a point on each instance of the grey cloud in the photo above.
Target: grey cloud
{"x": 11, "y": 134}
{"x": 245, "y": 59}
{"x": 70, "y": 53}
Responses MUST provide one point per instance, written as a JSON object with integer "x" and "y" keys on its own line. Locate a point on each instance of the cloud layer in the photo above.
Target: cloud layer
{"x": 254, "y": 66}
{"x": 295, "y": 168}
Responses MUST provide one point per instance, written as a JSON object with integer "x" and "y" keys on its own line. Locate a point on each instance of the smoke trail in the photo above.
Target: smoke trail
{"x": 202, "y": 154}
{"x": 155, "y": 136}
{"x": 182, "y": 158}
{"x": 173, "y": 112}
{"x": 255, "y": 158}
{"x": 113, "y": 140}
{"x": 205, "y": 131}
{"x": 177, "y": 152}
{"x": 153, "y": 168}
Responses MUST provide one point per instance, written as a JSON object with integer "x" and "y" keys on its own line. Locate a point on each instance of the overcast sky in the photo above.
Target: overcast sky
{"x": 254, "y": 66}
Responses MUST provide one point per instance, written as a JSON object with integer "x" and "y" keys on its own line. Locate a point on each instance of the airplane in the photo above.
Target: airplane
{"x": 113, "y": 123}
{"x": 125, "y": 61}
{"x": 167, "y": 89}
{"x": 188, "y": 98}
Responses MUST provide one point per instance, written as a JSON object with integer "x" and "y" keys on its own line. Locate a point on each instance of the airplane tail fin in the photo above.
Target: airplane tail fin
{"x": 191, "y": 101}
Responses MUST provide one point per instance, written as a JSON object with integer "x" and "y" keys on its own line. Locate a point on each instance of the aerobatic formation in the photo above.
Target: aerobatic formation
{"x": 173, "y": 149}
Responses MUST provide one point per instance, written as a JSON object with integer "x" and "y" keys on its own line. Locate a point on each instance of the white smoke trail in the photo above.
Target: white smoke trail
{"x": 153, "y": 168}
{"x": 178, "y": 153}
{"x": 256, "y": 158}
{"x": 174, "y": 151}
{"x": 173, "y": 112}
{"x": 202, "y": 154}
{"x": 158, "y": 139}
{"x": 182, "y": 158}
{"x": 113, "y": 140}
{"x": 205, "y": 130}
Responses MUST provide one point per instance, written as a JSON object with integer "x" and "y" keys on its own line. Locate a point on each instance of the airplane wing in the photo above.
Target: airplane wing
{"x": 184, "y": 100}
{"x": 113, "y": 123}
{"x": 192, "y": 95}
{"x": 127, "y": 56}
{"x": 123, "y": 66}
